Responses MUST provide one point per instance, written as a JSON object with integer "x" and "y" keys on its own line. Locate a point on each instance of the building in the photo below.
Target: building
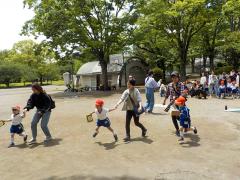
{"x": 89, "y": 74}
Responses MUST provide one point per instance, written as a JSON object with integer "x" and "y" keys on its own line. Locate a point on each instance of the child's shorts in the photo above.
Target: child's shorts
{"x": 104, "y": 123}
{"x": 17, "y": 129}
{"x": 185, "y": 124}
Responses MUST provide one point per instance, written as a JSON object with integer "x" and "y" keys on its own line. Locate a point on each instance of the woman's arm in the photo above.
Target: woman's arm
{"x": 122, "y": 99}
{"x": 30, "y": 104}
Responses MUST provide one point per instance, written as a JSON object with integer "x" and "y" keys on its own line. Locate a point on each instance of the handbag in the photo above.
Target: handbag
{"x": 135, "y": 107}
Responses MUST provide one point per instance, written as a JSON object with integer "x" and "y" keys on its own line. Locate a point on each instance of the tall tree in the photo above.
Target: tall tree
{"x": 101, "y": 25}
{"x": 179, "y": 21}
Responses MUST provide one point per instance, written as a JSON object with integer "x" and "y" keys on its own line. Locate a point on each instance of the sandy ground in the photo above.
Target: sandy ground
{"x": 212, "y": 154}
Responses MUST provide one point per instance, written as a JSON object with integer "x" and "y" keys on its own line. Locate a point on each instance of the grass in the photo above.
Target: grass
{"x": 21, "y": 84}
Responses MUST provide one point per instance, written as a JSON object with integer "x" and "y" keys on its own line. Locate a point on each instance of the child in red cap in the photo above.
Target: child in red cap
{"x": 222, "y": 89}
{"x": 185, "y": 121}
{"x": 17, "y": 127}
{"x": 102, "y": 119}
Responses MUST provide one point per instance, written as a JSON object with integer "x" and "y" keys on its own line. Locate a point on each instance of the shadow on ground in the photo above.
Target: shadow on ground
{"x": 80, "y": 177}
{"x": 51, "y": 143}
{"x": 108, "y": 146}
{"x": 191, "y": 140}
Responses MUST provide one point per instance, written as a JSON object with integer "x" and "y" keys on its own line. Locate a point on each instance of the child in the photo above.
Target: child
{"x": 103, "y": 120}
{"x": 185, "y": 121}
{"x": 17, "y": 127}
{"x": 234, "y": 89}
{"x": 222, "y": 89}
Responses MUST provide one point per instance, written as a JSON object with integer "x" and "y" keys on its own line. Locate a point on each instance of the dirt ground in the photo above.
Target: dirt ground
{"x": 212, "y": 154}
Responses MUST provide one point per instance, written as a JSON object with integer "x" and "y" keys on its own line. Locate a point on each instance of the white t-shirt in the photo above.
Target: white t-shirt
{"x": 102, "y": 115}
{"x": 16, "y": 119}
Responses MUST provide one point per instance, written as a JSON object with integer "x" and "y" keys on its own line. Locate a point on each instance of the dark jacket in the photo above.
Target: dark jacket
{"x": 41, "y": 101}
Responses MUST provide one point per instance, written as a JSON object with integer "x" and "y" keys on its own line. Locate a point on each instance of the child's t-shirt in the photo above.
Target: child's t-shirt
{"x": 103, "y": 114}
{"x": 16, "y": 119}
{"x": 184, "y": 114}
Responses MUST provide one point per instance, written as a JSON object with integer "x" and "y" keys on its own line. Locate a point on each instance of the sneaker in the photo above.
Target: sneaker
{"x": 195, "y": 130}
{"x": 115, "y": 137}
{"x": 95, "y": 134}
{"x": 126, "y": 139}
{"x": 48, "y": 139}
{"x": 181, "y": 139}
{"x": 25, "y": 138}
{"x": 32, "y": 141}
{"x": 144, "y": 132}
{"x": 11, "y": 145}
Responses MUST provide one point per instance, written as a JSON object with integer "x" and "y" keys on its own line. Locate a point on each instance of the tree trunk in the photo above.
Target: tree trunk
{"x": 41, "y": 80}
{"x": 103, "y": 65}
{"x": 183, "y": 63}
{"x": 204, "y": 62}
{"x": 211, "y": 60}
{"x": 193, "y": 65}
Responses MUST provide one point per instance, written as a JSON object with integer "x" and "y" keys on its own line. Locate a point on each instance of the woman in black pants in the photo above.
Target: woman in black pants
{"x": 134, "y": 94}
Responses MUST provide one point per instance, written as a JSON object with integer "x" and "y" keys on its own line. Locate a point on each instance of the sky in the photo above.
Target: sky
{"x": 12, "y": 18}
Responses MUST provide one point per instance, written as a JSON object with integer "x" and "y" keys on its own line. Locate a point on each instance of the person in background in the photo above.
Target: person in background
{"x": 203, "y": 82}
{"x": 213, "y": 84}
{"x": 222, "y": 90}
{"x": 150, "y": 86}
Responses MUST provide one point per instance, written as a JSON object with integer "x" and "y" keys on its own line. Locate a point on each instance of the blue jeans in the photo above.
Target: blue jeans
{"x": 150, "y": 99}
{"x": 44, "y": 124}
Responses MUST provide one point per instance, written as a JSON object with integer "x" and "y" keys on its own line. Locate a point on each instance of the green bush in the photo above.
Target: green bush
{"x": 158, "y": 73}
{"x": 220, "y": 70}
{"x": 10, "y": 73}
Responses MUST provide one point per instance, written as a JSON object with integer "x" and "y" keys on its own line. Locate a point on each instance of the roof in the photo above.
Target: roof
{"x": 94, "y": 67}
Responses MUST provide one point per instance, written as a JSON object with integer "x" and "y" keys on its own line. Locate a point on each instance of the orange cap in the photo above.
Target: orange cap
{"x": 99, "y": 102}
{"x": 180, "y": 101}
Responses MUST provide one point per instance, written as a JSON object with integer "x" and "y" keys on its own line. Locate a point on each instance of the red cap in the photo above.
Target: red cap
{"x": 180, "y": 101}
{"x": 99, "y": 102}
{"x": 16, "y": 107}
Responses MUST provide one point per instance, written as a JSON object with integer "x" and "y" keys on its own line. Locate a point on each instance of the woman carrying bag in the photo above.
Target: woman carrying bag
{"x": 133, "y": 107}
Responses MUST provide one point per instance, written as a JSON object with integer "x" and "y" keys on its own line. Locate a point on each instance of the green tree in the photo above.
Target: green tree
{"x": 103, "y": 26}
{"x": 10, "y": 73}
{"x": 179, "y": 21}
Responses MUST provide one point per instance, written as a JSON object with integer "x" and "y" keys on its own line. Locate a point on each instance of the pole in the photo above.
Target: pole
{"x": 125, "y": 64}
{"x": 72, "y": 75}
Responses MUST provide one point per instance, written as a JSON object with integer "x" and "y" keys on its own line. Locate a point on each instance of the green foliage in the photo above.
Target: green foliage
{"x": 158, "y": 73}
{"x": 10, "y": 73}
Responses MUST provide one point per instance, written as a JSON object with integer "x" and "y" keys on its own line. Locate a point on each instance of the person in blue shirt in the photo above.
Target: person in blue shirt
{"x": 150, "y": 86}
{"x": 185, "y": 120}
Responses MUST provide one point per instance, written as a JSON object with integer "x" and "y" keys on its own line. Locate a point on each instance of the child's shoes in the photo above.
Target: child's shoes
{"x": 181, "y": 139}
{"x": 195, "y": 130}
{"x": 25, "y": 138}
{"x": 95, "y": 134}
{"x": 11, "y": 145}
{"x": 115, "y": 137}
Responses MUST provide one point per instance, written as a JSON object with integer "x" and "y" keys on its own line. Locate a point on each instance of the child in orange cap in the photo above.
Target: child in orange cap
{"x": 185, "y": 121}
{"x": 222, "y": 90}
{"x": 17, "y": 127}
{"x": 102, "y": 119}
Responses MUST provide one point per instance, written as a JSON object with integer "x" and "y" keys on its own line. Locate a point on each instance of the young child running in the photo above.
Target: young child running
{"x": 102, "y": 119}
{"x": 185, "y": 121}
{"x": 17, "y": 127}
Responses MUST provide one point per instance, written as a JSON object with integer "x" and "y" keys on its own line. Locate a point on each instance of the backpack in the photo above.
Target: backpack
{"x": 53, "y": 105}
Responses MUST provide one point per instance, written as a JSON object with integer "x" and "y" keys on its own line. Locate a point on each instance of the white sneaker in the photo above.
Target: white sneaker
{"x": 32, "y": 141}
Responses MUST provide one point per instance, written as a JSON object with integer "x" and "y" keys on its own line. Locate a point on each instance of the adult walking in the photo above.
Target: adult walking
{"x": 131, "y": 98}
{"x": 43, "y": 103}
{"x": 174, "y": 90}
{"x": 150, "y": 86}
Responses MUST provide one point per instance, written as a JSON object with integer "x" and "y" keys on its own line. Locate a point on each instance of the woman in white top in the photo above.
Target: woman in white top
{"x": 134, "y": 94}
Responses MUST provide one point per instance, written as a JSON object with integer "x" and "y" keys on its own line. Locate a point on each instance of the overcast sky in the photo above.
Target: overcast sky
{"x": 12, "y": 18}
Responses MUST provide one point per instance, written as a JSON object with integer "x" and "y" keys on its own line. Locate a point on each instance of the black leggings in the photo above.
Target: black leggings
{"x": 129, "y": 116}
{"x": 175, "y": 123}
